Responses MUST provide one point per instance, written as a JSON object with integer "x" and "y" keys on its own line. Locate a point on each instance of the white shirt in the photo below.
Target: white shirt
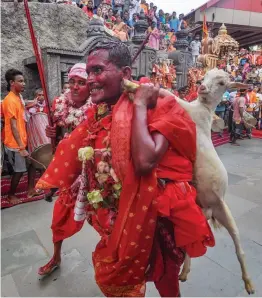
{"x": 135, "y": 9}
{"x": 195, "y": 46}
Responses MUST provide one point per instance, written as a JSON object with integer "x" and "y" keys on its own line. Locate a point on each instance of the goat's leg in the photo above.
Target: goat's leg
{"x": 187, "y": 263}
{"x": 186, "y": 269}
{"x": 223, "y": 214}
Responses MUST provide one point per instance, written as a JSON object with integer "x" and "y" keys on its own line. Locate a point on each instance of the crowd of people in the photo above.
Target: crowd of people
{"x": 120, "y": 21}
{"x": 246, "y": 68}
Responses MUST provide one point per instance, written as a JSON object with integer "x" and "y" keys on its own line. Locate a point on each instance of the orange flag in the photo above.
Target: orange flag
{"x": 205, "y": 29}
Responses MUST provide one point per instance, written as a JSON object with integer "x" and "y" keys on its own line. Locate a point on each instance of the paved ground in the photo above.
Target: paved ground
{"x": 26, "y": 242}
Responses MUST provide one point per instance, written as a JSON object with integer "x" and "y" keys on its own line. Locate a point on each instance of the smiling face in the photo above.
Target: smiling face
{"x": 104, "y": 77}
{"x": 99, "y": 12}
{"x": 79, "y": 90}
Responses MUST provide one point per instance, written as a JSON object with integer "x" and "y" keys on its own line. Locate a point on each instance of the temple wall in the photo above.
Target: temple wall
{"x": 57, "y": 26}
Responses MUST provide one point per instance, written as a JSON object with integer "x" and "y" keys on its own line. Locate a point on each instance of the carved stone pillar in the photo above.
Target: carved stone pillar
{"x": 182, "y": 58}
{"x": 141, "y": 27}
{"x": 52, "y": 73}
{"x": 144, "y": 63}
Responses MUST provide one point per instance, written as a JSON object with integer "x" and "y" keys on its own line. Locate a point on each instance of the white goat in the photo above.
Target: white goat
{"x": 210, "y": 174}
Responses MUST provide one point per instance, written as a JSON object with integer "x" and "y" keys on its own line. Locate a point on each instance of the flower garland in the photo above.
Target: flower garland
{"x": 66, "y": 114}
{"x": 38, "y": 108}
{"x": 103, "y": 188}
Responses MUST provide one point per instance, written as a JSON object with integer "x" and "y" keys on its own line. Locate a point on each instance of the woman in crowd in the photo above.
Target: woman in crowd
{"x": 110, "y": 20}
{"x": 144, "y": 6}
{"x": 70, "y": 112}
{"x": 98, "y": 15}
{"x": 154, "y": 38}
{"x": 120, "y": 29}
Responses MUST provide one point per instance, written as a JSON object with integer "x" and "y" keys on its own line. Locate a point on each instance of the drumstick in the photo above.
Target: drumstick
{"x": 42, "y": 165}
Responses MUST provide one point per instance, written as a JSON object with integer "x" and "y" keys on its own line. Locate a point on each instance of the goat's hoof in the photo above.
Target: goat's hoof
{"x": 183, "y": 277}
{"x": 249, "y": 286}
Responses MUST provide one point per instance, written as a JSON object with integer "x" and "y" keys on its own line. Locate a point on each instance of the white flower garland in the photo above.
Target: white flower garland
{"x": 66, "y": 114}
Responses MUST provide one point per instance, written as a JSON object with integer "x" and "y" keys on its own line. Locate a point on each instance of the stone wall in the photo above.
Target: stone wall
{"x": 58, "y": 26}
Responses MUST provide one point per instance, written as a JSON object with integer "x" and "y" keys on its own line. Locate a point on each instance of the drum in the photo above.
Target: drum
{"x": 218, "y": 124}
{"x": 42, "y": 156}
{"x": 39, "y": 145}
{"x": 249, "y": 120}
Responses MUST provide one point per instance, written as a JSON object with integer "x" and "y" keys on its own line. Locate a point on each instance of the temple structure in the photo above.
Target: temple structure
{"x": 58, "y": 61}
{"x": 243, "y": 19}
{"x": 222, "y": 47}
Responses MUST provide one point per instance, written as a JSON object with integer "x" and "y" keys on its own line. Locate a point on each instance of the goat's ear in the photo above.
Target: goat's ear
{"x": 236, "y": 85}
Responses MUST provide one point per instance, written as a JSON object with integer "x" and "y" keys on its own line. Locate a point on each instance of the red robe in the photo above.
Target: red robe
{"x": 155, "y": 223}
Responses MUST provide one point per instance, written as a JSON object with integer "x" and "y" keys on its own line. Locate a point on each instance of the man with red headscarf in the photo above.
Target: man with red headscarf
{"x": 135, "y": 167}
{"x": 69, "y": 111}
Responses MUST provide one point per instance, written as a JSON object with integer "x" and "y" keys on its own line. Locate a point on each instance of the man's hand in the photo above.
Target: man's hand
{"x": 147, "y": 95}
{"x": 24, "y": 153}
{"x": 50, "y": 132}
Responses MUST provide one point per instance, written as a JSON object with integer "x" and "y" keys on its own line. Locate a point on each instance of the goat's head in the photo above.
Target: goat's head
{"x": 215, "y": 84}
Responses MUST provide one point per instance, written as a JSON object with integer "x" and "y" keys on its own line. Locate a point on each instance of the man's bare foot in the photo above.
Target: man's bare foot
{"x": 13, "y": 199}
{"x": 34, "y": 193}
{"x": 49, "y": 267}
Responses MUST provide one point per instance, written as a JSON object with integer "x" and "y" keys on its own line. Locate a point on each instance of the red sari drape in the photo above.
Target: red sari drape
{"x": 122, "y": 258}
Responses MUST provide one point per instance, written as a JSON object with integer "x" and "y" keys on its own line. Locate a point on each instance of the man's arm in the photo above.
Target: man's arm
{"x": 17, "y": 137}
{"x": 147, "y": 150}
{"x": 241, "y": 106}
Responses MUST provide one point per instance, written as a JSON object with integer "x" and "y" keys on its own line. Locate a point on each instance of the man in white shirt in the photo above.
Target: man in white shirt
{"x": 195, "y": 47}
{"x": 134, "y": 8}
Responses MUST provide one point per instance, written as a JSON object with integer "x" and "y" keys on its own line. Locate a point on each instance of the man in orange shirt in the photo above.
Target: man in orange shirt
{"x": 15, "y": 136}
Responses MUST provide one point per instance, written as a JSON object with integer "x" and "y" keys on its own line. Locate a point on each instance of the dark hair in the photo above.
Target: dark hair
{"x": 140, "y": 77}
{"x": 38, "y": 90}
{"x": 182, "y": 89}
{"x": 118, "y": 52}
{"x": 10, "y": 76}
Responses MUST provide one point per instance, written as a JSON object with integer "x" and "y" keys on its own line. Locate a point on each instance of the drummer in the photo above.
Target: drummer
{"x": 238, "y": 111}
{"x": 15, "y": 135}
{"x": 221, "y": 109}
